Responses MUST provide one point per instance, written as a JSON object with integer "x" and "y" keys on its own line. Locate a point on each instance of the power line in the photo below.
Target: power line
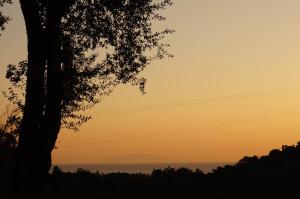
{"x": 200, "y": 101}
{"x": 185, "y": 130}
{"x": 192, "y": 102}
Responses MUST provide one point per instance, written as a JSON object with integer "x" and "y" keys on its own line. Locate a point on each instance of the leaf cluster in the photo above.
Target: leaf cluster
{"x": 104, "y": 43}
{"x": 9, "y": 127}
{"x": 3, "y": 18}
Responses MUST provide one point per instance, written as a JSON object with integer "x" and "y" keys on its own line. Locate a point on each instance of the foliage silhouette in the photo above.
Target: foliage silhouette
{"x": 9, "y": 119}
{"x": 273, "y": 176}
{"x": 66, "y": 74}
{"x": 9, "y": 129}
{"x": 3, "y": 19}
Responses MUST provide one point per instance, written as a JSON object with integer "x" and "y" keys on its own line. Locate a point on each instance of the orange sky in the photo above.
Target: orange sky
{"x": 232, "y": 89}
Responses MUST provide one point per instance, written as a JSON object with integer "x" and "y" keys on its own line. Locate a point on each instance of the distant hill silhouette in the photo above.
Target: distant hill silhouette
{"x": 276, "y": 175}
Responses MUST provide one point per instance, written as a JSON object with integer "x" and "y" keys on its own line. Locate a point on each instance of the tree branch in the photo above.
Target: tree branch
{"x": 30, "y": 11}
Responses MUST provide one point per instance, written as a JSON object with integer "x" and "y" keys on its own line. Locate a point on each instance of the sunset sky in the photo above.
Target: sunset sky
{"x": 232, "y": 88}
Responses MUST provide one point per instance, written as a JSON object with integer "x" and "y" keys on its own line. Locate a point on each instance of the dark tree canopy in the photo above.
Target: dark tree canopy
{"x": 104, "y": 43}
{"x": 77, "y": 52}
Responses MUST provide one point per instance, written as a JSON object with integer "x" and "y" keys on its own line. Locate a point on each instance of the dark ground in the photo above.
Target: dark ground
{"x": 276, "y": 175}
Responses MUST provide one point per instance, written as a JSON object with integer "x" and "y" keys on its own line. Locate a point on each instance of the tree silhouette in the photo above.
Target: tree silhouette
{"x": 9, "y": 131}
{"x": 9, "y": 123}
{"x": 275, "y": 175}
{"x": 65, "y": 74}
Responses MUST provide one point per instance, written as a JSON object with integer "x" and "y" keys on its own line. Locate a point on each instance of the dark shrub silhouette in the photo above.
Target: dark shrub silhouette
{"x": 8, "y": 143}
{"x": 275, "y": 175}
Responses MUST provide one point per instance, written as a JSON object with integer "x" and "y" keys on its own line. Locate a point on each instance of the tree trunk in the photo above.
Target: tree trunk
{"x": 27, "y": 172}
{"x": 42, "y": 113}
{"x": 52, "y": 118}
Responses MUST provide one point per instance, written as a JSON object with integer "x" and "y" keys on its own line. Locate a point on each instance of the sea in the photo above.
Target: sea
{"x": 145, "y": 168}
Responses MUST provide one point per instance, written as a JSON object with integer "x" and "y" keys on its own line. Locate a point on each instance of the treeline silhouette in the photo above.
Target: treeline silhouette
{"x": 276, "y": 175}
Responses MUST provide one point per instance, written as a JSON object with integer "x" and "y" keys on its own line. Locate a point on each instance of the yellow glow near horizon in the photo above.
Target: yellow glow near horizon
{"x": 231, "y": 90}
